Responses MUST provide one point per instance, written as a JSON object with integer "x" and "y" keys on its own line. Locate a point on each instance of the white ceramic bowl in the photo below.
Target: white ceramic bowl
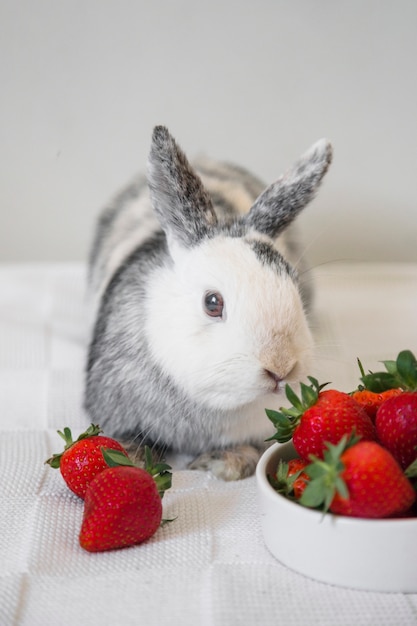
{"x": 376, "y": 555}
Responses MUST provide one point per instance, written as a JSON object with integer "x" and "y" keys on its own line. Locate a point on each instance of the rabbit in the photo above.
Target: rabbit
{"x": 200, "y": 315}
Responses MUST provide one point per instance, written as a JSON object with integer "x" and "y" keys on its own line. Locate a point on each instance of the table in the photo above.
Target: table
{"x": 210, "y": 567}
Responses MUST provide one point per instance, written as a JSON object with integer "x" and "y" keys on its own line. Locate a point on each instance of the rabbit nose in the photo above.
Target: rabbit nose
{"x": 277, "y": 379}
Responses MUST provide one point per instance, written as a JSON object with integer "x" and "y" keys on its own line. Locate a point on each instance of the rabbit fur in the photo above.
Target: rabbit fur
{"x": 200, "y": 314}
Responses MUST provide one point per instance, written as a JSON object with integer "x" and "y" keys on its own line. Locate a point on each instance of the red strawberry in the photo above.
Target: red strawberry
{"x": 396, "y": 418}
{"x": 396, "y": 427}
{"x": 359, "y": 480}
{"x": 319, "y": 417}
{"x": 371, "y": 400}
{"x": 290, "y": 479}
{"x": 295, "y": 469}
{"x": 123, "y": 505}
{"x": 82, "y": 459}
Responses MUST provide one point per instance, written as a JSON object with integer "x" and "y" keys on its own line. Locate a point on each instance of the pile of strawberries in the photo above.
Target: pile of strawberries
{"x": 358, "y": 451}
{"x": 122, "y": 502}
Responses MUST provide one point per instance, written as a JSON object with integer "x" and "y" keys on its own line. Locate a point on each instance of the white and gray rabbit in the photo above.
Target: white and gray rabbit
{"x": 200, "y": 315}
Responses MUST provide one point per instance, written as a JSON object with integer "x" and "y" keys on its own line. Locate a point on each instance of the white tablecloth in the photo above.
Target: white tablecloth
{"x": 210, "y": 567}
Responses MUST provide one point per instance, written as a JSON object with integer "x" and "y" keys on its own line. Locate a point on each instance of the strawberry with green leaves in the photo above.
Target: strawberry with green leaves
{"x": 372, "y": 400}
{"x": 83, "y": 459}
{"x": 396, "y": 417}
{"x": 290, "y": 478}
{"x": 358, "y": 479}
{"x": 297, "y": 476}
{"x": 319, "y": 417}
{"x": 372, "y": 393}
{"x": 123, "y": 503}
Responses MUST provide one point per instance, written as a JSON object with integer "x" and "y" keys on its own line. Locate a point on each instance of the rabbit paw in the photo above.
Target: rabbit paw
{"x": 231, "y": 464}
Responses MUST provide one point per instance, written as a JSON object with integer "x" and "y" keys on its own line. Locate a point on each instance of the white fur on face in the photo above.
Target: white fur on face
{"x": 223, "y": 363}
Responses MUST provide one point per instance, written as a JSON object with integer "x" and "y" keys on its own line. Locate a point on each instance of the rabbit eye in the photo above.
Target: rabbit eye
{"x": 213, "y": 304}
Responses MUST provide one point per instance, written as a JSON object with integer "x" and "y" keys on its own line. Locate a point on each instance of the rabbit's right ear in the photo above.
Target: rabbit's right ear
{"x": 182, "y": 204}
{"x": 282, "y": 201}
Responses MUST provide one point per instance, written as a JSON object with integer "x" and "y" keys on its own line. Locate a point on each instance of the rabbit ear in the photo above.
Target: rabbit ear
{"x": 182, "y": 204}
{"x": 282, "y": 201}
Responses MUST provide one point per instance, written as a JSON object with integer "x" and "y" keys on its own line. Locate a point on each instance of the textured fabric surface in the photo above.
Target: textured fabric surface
{"x": 210, "y": 566}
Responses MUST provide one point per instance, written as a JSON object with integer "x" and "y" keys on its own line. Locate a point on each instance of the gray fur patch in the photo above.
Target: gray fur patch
{"x": 182, "y": 204}
{"x": 282, "y": 201}
{"x": 229, "y": 172}
{"x": 108, "y": 216}
{"x": 268, "y": 255}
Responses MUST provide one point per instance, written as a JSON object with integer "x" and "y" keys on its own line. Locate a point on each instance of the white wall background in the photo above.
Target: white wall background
{"x": 84, "y": 81}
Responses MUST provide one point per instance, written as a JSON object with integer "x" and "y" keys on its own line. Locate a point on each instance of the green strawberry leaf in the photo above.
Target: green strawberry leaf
{"x": 316, "y": 385}
{"x": 361, "y": 369}
{"x": 161, "y": 472}
{"x": 341, "y": 488}
{"x": 380, "y": 381}
{"x": 284, "y": 424}
{"x": 401, "y": 373}
{"x": 92, "y": 431}
{"x": 291, "y": 412}
{"x": 407, "y": 369}
{"x": 55, "y": 460}
{"x": 164, "y": 482}
{"x": 308, "y": 395}
{"x": 274, "y": 416}
{"x": 411, "y": 470}
{"x": 281, "y": 482}
{"x": 314, "y": 495}
{"x": 66, "y": 436}
{"x": 294, "y": 399}
{"x": 391, "y": 367}
{"x": 325, "y": 475}
{"x": 114, "y": 458}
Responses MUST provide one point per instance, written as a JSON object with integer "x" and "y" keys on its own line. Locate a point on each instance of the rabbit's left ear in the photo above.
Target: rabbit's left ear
{"x": 282, "y": 201}
{"x": 182, "y": 204}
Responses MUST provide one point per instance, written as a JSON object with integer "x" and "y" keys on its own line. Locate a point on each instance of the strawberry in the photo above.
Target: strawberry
{"x": 123, "y": 504}
{"x": 319, "y": 417}
{"x": 396, "y": 427}
{"x": 358, "y": 479}
{"x": 396, "y": 418}
{"x": 300, "y": 478}
{"x": 82, "y": 459}
{"x": 371, "y": 400}
{"x": 290, "y": 479}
